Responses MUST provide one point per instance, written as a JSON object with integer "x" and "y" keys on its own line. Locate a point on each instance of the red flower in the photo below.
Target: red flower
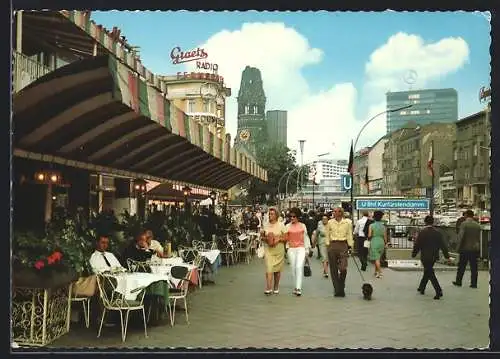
{"x": 39, "y": 265}
{"x": 50, "y": 260}
{"x": 56, "y": 256}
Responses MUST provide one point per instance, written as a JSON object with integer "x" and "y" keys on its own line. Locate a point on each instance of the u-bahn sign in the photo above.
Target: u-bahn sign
{"x": 345, "y": 183}
{"x": 393, "y": 204}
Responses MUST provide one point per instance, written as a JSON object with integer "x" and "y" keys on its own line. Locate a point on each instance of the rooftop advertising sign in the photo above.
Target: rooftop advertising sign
{"x": 179, "y": 57}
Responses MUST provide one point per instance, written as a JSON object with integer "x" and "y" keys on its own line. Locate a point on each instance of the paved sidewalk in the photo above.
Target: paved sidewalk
{"x": 235, "y": 313}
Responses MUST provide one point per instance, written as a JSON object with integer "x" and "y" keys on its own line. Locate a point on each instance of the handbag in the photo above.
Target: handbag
{"x": 307, "y": 269}
{"x": 366, "y": 243}
{"x": 260, "y": 251}
{"x": 85, "y": 286}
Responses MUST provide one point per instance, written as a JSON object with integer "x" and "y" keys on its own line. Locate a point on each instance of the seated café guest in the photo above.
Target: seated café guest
{"x": 101, "y": 260}
{"x": 154, "y": 245}
{"x": 138, "y": 250}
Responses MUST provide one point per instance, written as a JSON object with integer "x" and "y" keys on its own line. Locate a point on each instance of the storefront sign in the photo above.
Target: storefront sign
{"x": 345, "y": 183}
{"x": 199, "y": 76}
{"x": 178, "y": 56}
{"x": 206, "y": 66}
{"x": 393, "y": 204}
{"x": 193, "y": 190}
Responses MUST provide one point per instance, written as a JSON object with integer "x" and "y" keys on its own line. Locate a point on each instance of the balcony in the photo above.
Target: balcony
{"x": 26, "y": 71}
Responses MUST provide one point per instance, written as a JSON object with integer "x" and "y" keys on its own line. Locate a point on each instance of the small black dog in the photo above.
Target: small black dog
{"x": 367, "y": 290}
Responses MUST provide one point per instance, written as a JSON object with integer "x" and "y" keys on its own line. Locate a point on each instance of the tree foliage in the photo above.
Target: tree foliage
{"x": 277, "y": 160}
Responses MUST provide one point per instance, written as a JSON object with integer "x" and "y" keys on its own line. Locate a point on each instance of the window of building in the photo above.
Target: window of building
{"x": 414, "y": 112}
{"x": 403, "y": 113}
{"x": 428, "y": 111}
{"x": 247, "y": 109}
{"x": 206, "y": 106}
{"x": 475, "y": 149}
{"x": 455, "y": 154}
{"x": 191, "y": 106}
{"x": 255, "y": 109}
{"x": 416, "y": 101}
{"x": 414, "y": 96}
{"x": 466, "y": 174}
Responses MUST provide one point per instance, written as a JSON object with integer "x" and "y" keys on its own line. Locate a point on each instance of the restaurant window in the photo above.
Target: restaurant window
{"x": 191, "y": 106}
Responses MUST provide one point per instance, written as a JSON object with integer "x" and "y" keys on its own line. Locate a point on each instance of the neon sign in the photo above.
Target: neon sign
{"x": 199, "y": 76}
{"x": 178, "y": 56}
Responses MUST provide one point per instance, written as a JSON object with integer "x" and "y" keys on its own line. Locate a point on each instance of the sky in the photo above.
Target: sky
{"x": 329, "y": 70}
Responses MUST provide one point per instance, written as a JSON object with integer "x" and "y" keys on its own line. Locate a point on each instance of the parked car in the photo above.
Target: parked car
{"x": 484, "y": 217}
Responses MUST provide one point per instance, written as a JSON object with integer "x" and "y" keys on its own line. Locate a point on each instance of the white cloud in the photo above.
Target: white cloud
{"x": 326, "y": 119}
{"x": 388, "y": 65}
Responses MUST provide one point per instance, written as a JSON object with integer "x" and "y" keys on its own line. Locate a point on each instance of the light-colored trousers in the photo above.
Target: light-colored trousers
{"x": 297, "y": 259}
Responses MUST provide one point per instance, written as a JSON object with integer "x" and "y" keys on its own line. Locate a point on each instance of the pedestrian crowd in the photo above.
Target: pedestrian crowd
{"x": 289, "y": 237}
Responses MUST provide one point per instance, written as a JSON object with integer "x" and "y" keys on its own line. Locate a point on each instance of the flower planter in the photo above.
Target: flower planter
{"x": 41, "y": 306}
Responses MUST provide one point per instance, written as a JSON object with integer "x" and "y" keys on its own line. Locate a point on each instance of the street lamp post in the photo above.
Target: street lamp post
{"x": 213, "y": 196}
{"x": 140, "y": 190}
{"x": 357, "y": 138}
{"x": 186, "y": 191}
{"x": 225, "y": 198}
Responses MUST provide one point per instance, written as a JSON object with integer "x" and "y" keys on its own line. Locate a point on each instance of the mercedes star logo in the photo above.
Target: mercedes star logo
{"x": 411, "y": 77}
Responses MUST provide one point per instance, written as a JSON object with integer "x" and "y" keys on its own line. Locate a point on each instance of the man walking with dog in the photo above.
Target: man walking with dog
{"x": 429, "y": 241}
{"x": 338, "y": 240}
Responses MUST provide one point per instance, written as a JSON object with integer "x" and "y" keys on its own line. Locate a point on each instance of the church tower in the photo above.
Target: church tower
{"x": 252, "y": 130}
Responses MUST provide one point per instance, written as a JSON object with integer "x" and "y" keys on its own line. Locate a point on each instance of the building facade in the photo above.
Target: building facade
{"x": 252, "y": 129}
{"x": 375, "y": 167}
{"x": 360, "y": 166}
{"x": 471, "y": 155}
{"x": 330, "y": 169}
{"x": 276, "y": 122}
{"x": 202, "y": 96}
{"x": 427, "y": 106}
{"x": 406, "y": 155}
{"x": 447, "y": 191}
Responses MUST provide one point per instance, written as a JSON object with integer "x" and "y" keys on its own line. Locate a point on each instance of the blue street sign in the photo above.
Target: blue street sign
{"x": 345, "y": 183}
{"x": 393, "y": 204}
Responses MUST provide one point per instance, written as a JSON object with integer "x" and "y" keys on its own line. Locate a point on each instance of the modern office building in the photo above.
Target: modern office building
{"x": 276, "y": 122}
{"x": 252, "y": 129}
{"x": 330, "y": 169}
{"x": 427, "y": 106}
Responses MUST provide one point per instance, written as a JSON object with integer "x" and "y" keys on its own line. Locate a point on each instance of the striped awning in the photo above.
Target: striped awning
{"x": 99, "y": 111}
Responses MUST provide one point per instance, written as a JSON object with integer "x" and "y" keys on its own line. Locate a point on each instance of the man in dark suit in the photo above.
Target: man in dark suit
{"x": 460, "y": 221}
{"x": 469, "y": 238}
{"x": 137, "y": 250}
{"x": 429, "y": 241}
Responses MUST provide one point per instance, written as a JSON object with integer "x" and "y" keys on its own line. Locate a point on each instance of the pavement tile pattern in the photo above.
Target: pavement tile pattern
{"x": 235, "y": 313}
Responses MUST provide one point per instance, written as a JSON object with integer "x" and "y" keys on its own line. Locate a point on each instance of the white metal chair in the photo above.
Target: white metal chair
{"x": 200, "y": 262}
{"x": 226, "y": 248}
{"x": 189, "y": 255}
{"x": 86, "y": 308}
{"x": 180, "y": 292}
{"x": 137, "y": 266}
{"x": 244, "y": 249}
{"x": 114, "y": 301}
